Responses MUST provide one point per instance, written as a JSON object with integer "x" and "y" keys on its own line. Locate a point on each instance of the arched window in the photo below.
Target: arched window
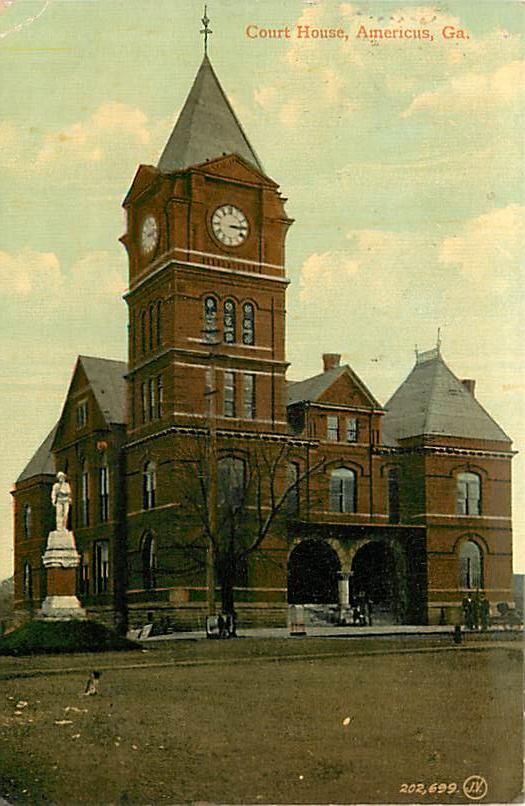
{"x": 229, "y": 322}
{"x": 210, "y": 320}
{"x": 28, "y": 581}
{"x": 470, "y": 566}
{"x": 248, "y": 323}
{"x": 468, "y": 494}
{"x": 230, "y": 482}
{"x": 143, "y": 341}
{"x": 292, "y": 501}
{"x": 343, "y": 490}
{"x": 27, "y": 521}
{"x": 103, "y": 475}
{"x": 159, "y": 323}
{"x": 149, "y": 485}
{"x": 84, "y": 494}
{"x": 393, "y": 495}
{"x": 149, "y": 561}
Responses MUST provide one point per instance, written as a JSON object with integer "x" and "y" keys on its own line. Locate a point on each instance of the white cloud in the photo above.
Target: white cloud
{"x": 324, "y": 274}
{"x": 473, "y": 92}
{"x": 29, "y": 273}
{"x": 100, "y": 274}
{"x": 489, "y": 249}
{"x": 38, "y": 280}
{"x": 94, "y": 139}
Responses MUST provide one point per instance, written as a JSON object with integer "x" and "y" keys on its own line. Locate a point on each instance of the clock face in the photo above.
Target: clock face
{"x": 149, "y": 234}
{"x": 230, "y": 225}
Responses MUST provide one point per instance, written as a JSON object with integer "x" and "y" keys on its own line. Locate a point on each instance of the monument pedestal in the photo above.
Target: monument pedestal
{"x": 61, "y": 560}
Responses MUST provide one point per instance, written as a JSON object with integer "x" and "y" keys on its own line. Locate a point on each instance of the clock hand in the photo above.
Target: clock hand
{"x": 238, "y": 226}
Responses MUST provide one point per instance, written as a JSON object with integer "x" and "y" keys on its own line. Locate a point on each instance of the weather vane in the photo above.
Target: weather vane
{"x": 206, "y": 30}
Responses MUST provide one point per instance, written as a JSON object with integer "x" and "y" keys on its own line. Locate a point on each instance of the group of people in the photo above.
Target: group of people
{"x": 362, "y": 611}
{"x": 476, "y": 611}
{"x": 221, "y": 626}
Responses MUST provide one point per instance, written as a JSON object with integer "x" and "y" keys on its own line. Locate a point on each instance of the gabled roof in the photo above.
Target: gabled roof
{"x": 312, "y": 389}
{"x": 207, "y": 127}
{"x": 433, "y": 401}
{"x": 42, "y": 462}
{"x": 107, "y": 380}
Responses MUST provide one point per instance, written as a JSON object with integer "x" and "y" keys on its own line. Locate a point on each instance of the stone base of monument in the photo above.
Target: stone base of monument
{"x": 61, "y": 560}
{"x": 61, "y": 608}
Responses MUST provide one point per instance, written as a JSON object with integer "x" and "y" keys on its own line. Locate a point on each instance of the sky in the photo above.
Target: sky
{"x": 402, "y": 159}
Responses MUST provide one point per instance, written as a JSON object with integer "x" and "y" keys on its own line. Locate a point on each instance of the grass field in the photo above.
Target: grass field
{"x": 276, "y": 721}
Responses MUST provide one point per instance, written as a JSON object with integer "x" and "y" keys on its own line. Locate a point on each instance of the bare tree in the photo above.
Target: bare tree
{"x": 232, "y": 496}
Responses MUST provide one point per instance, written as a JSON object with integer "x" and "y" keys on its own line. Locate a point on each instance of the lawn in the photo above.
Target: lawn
{"x": 323, "y": 722}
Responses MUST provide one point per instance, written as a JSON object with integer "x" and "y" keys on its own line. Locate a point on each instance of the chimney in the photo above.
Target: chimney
{"x": 330, "y": 361}
{"x": 469, "y": 385}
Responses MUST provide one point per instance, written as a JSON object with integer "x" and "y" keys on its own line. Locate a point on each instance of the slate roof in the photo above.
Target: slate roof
{"x": 433, "y": 401}
{"x": 207, "y": 127}
{"x": 42, "y": 462}
{"x": 311, "y": 389}
{"x": 107, "y": 380}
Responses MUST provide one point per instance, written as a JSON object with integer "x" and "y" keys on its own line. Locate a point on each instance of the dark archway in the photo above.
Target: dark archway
{"x": 379, "y": 574}
{"x": 312, "y": 573}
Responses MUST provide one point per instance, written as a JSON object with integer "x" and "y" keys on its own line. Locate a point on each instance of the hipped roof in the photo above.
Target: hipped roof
{"x": 42, "y": 462}
{"x": 433, "y": 401}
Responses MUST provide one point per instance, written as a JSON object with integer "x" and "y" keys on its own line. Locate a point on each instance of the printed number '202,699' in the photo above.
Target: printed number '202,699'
{"x": 432, "y": 789}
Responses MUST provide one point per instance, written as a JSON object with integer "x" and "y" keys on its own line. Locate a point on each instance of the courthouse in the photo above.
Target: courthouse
{"x": 319, "y": 492}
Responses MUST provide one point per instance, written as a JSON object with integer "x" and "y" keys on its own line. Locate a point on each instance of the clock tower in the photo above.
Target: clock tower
{"x": 205, "y": 238}
{"x": 206, "y": 231}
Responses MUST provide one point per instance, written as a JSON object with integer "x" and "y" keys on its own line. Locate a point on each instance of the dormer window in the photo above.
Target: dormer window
{"x": 81, "y": 417}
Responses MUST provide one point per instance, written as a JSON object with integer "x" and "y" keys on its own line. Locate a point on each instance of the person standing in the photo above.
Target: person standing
{"x": 484, "y": 613}
{"x": 468, "y": 611}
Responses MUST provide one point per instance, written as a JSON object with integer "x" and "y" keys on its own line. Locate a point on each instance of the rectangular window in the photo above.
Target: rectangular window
{"x": 468, "y": 494}
{"x": 393, "y": 495}
{"x": 144, "y": 401}
{"x": 83, "y": 576}
{"x": 84, "y": 497}
{"x": 101, "y": 566}
{"x": 351, "y": 429}
{"x": 82, "y": 414}
{"x": 160, "y": 396}
{"x": 104, "y": 494}
{"x": 332, "y": 428}
{"x": 249, "y": 396}
{"x": 229, "y": 394}
{"x": 152, "y": 398}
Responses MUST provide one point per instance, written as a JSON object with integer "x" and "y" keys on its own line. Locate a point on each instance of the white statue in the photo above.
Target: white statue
{"x": 61, "y": 500}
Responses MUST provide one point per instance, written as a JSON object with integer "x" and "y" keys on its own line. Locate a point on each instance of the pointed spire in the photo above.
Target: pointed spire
{"x": 207, "y": 127}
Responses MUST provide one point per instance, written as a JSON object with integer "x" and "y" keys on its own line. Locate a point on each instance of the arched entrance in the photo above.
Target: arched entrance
{"x": 378, "y": 574}
{"x": 312, "y": 573}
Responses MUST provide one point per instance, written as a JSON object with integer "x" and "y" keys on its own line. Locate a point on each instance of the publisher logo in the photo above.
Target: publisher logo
{"x": 475, "y": 787}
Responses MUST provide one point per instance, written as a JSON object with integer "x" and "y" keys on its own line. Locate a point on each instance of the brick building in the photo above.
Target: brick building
{"x": 317, "y": 492}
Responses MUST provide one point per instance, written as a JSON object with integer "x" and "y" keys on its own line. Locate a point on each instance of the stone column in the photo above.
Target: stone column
{"x": 343, "y": 584}
{"x": 61, "y": 560}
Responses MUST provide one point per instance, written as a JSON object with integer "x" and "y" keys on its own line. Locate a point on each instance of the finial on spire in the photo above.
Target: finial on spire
{"x": 206, "y": 31}
{"x": 438, "y": 342}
